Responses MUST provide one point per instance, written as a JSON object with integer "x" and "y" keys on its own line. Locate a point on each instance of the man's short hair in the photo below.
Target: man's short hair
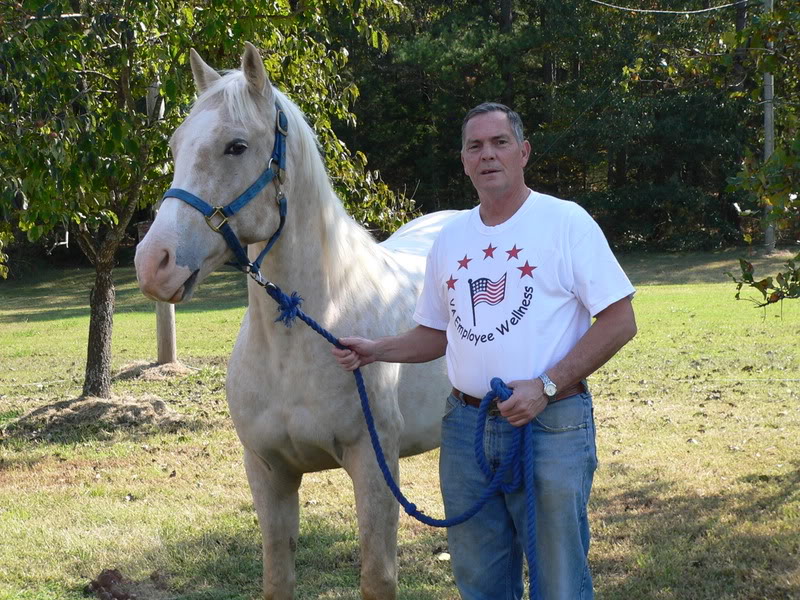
{"x": 514, "y": 119}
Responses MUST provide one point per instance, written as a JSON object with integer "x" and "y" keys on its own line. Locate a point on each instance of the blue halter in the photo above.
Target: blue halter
{"x": 217, "y": 216}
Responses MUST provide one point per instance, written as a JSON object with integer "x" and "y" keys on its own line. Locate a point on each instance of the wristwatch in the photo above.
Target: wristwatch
{"x": 550, "y": 388}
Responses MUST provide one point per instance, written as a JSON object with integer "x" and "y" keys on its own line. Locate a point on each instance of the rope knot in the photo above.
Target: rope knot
{"x": 288, "y": 307}
{"x": 500, "y": 390}
{"x": 411, "y": 509}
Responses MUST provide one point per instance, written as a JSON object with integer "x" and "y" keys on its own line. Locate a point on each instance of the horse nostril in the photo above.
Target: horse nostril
{"x": 164, "y": 261}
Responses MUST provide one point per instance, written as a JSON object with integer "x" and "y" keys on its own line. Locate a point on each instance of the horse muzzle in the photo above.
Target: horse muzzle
{"x": 160, "y": 277}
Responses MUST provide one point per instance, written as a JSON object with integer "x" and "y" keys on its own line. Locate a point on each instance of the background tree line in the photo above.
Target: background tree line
{"x": 646, "y": 119}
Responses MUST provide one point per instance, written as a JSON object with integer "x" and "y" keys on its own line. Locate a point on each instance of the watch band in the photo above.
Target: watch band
{"x": 550, "y": 388}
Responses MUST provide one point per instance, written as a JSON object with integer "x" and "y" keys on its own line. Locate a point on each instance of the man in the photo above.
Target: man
{"x": 510, "y": 291}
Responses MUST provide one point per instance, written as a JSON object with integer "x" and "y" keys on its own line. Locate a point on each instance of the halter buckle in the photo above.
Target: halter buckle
{"x": 217, "y": 213}
{"x": 258, "y": 278}
{"x": 276, "y": 168}
{"x": 280, "y": 119}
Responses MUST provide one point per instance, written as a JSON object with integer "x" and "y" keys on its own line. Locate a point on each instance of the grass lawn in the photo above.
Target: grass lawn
{"x": 697, "y": 496}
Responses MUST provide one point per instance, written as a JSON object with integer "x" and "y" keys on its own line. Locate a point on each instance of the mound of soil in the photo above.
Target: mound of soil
{"x": 111, "y": 585}
{"x": 67, "y": 416}
{"x": 153, "y": 371}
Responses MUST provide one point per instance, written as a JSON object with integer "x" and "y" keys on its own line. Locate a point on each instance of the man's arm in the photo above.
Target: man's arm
{"x": 420, "y": 344}
{"x": 613, "y": 327}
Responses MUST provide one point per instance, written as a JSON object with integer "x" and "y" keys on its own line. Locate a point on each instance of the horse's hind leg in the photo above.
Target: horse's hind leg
{"x": 277, "y": 504}
{"x": 377, "y": 520}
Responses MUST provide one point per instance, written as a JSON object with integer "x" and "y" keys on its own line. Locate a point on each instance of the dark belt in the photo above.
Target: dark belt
{"x": 578, "y": 388}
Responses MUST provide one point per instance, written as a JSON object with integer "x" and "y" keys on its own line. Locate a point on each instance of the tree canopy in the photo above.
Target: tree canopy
{"x": 91, "y": 91}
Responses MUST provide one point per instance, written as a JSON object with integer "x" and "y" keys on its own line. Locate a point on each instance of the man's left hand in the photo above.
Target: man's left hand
{"x": 525, "y": 403}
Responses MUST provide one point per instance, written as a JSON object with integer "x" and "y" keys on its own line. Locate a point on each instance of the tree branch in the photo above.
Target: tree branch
{"x": 98, "y": 74}
{"x": 31, "y": 19}
{"x": 86, "y": 243}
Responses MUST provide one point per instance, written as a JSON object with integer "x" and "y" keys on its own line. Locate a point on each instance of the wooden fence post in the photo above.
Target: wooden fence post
{"x": 165, "y": 318}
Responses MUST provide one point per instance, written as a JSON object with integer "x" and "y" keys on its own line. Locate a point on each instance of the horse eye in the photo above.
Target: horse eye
{"x": 236, "y": 148}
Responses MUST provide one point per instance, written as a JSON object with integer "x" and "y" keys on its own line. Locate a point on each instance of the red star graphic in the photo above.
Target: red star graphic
{"x": 526, "y": 270}
{"x": 489, "y": 252}
{"x": 451, "y": 283}
{"x": 464, "y": 263}
{"x": 514, "y": 252}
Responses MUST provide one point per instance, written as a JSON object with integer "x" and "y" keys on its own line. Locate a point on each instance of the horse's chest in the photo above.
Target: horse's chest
{"x": 299, "y": 418}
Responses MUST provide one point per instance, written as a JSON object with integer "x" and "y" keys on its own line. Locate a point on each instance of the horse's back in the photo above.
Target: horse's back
{"x": 421, "y": 388}
{"x": 416, "y": 237}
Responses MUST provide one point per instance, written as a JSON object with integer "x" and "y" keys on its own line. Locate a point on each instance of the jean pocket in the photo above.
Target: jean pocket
{"x": 570, "y": 414}
{"x": 450, "y": 406}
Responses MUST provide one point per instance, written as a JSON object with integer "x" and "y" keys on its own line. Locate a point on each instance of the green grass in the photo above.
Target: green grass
{"x": 697, "y": 495}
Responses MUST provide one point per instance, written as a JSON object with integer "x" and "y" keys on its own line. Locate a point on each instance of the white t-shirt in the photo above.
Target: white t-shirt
{"x": 516, "y": 298}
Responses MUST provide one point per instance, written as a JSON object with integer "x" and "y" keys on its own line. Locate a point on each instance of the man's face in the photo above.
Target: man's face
{"x": 492, "y": 157}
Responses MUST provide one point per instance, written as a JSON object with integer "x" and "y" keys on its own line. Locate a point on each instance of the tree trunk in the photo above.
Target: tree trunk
{"x": 769, "y": 138}
{"x": 740, "y": 53}
{"x": 97, "y": 381}
{"x": 506, "y": 22}
{"x": 621, "y": 169}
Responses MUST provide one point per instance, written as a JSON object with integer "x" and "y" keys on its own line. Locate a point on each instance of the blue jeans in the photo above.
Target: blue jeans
{"x": 487, "y": 551}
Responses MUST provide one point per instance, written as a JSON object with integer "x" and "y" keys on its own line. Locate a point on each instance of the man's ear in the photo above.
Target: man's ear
{"x": 526, "y": 152}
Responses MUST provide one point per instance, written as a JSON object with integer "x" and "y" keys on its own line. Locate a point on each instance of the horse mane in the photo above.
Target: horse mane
{"x": 304, "y": 165}
{"x": 243, "y": 107}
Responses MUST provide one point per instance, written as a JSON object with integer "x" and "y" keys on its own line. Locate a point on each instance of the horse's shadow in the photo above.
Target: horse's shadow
{"x": 223, "y": 562}
{"x": 721, "y": 545}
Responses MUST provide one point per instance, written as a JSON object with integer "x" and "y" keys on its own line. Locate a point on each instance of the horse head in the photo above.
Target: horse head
{"x": 219, "y": 151}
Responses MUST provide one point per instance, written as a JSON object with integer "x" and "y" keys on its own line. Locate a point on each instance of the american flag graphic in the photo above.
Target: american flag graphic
{"x": 485, "y": 290}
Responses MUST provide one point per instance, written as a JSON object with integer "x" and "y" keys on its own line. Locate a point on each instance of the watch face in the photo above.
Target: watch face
{"x": 550, "y": 389}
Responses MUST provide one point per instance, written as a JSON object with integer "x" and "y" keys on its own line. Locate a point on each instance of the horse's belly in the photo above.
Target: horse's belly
{"x": 422, "y": 394}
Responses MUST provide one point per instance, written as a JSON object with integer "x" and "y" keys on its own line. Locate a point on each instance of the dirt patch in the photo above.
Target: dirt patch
{"x": 68, "y": 417}
{"x": 111, "y": 585}
{"x": 153, "y": 371}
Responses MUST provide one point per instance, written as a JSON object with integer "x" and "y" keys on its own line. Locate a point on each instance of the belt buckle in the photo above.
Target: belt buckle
{"x": 494, "y": 409}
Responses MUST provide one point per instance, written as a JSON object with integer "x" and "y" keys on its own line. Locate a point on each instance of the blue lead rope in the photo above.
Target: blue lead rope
{"x": 518, "y": 459}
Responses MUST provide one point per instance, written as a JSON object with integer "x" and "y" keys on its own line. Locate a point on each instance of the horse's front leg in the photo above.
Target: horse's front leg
{"x": 278, "y": 506}
{"x": 377, "y": 518}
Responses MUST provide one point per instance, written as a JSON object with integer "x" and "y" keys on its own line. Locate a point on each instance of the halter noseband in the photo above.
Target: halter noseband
{"x": 217, "y": 216}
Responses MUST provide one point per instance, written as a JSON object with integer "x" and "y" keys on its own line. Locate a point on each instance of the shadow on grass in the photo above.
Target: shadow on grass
{"x": 58, "y": 295}
{"x": 700, "y": 547}
{"x": 224, "y": 563}
{"x": 681, "y": 268}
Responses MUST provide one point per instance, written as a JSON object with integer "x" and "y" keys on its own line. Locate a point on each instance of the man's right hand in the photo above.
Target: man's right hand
{"x": 359, "y": 352}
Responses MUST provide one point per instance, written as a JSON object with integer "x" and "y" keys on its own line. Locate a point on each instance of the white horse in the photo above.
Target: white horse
{"x": 294, "y": 409}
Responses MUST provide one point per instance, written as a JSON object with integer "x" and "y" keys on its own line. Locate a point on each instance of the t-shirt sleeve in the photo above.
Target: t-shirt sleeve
{"x": 599, "y": 280}
{"x": 431, "y": 309}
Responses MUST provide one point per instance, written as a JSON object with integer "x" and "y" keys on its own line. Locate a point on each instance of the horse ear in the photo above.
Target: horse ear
{"x": 204, "y": 75}
{"x": 254, "y": 71}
